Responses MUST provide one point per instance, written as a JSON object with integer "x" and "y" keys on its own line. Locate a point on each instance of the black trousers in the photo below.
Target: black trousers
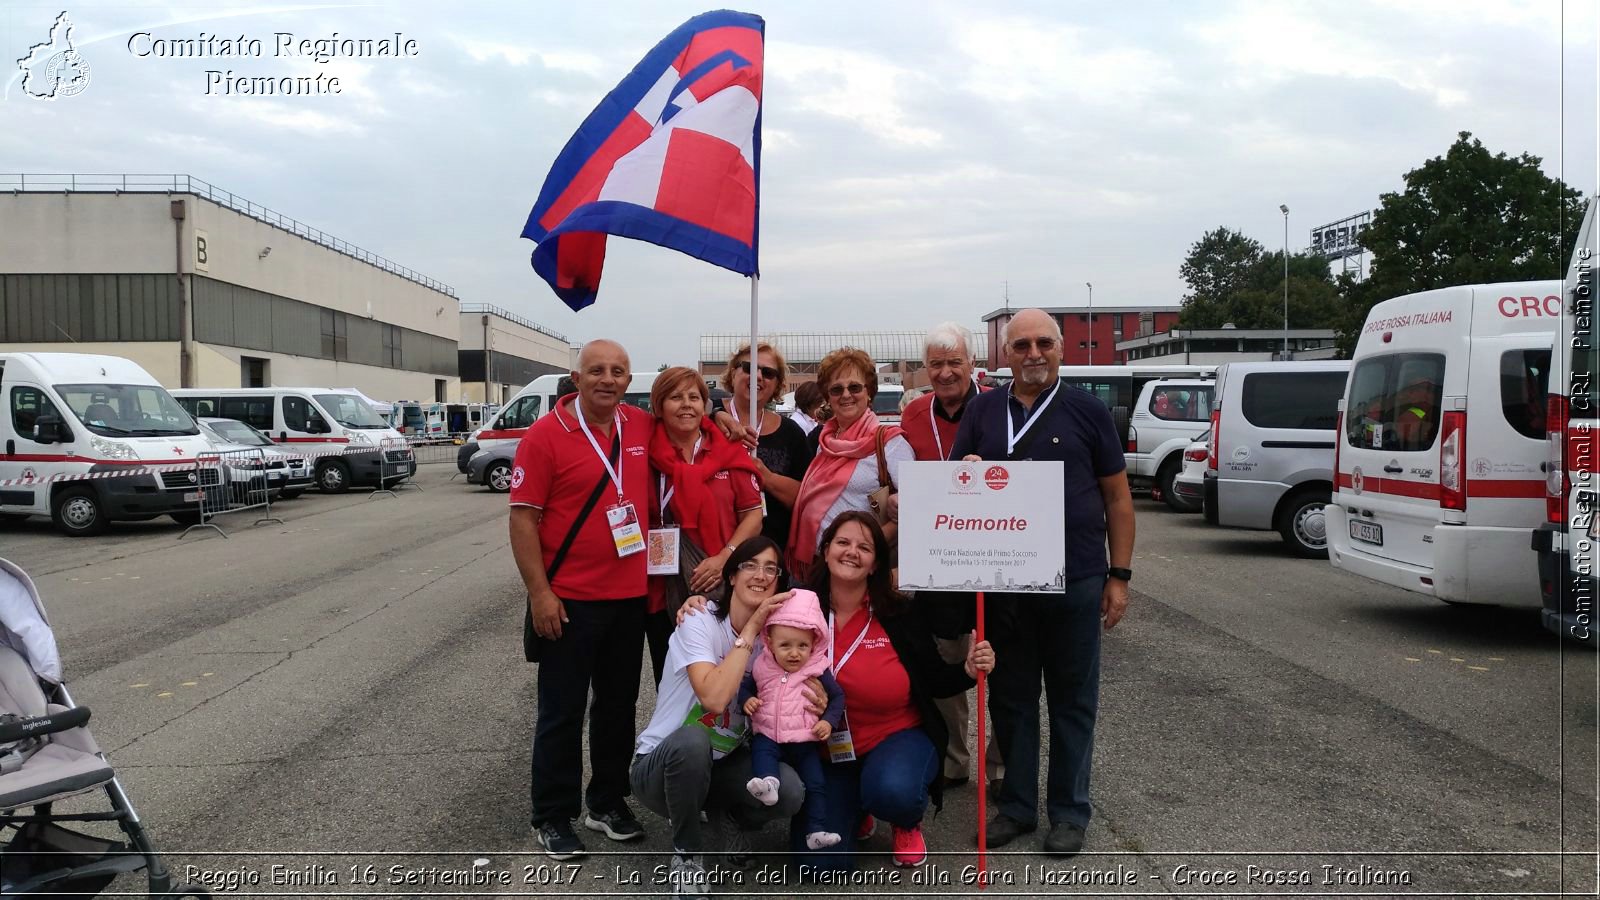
{"x": 599, "y": 649}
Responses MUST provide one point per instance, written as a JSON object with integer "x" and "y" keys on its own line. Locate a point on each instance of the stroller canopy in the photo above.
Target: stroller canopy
{"x": 23, "y": 626}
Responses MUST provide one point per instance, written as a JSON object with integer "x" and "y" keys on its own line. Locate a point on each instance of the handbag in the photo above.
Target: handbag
{"x": 879, "y": 499}
{"x": 690, "y": 556}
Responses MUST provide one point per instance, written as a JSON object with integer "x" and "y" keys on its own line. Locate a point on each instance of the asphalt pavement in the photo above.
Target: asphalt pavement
{"x": 339, "y": 704}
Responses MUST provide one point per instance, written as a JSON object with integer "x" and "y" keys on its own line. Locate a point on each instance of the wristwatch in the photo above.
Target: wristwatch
{"x": 1120, "y": 574}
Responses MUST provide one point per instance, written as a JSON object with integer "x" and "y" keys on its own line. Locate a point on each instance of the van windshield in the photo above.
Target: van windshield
{"x": 350, "y": 411}
{"x": 127, "y": 410}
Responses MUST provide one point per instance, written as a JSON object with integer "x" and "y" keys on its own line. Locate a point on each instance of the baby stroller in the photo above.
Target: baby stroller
{"x": 46, "y": 755}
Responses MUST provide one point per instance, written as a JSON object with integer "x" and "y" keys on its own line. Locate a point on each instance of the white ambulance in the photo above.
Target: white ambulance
{"x": 539, "y": 397}
{"x": 335, "y": 428}
{"x": 1569, "y": 540}
{"x": 89, "y": 439}
{"x": 1441, "y": 443}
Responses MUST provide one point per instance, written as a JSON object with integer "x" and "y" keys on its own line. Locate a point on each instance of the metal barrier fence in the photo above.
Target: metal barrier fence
{"x": 232, "y": 481}
{"x": 393, "y": 466}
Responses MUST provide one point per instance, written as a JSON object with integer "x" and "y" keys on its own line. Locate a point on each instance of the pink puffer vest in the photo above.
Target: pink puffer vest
{"x": 783, "y": 716}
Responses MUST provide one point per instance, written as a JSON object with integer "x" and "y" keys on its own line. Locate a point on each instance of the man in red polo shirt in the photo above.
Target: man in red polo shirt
{"x": 930, "y": 424}
{"x": 580, "y": 494}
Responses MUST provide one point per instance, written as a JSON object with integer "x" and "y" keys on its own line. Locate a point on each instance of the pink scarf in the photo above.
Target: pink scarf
{"x": 825, "y": 480}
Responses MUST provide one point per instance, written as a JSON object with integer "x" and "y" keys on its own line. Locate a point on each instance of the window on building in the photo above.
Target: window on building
{"x": 252, "y": 372}
{"x": 439, "y": 386}
{"x": 335, "y": 328}
{"x": 1524, "y": 376}
{"x": 391, "y": 346}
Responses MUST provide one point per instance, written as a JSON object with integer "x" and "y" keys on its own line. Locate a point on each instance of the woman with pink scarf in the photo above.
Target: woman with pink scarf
{"x": 844, "y": 472}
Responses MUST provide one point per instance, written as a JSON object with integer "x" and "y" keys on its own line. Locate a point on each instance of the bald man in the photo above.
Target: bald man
{"x": 579, "y": 496}
{"x": 1052, "y": 637}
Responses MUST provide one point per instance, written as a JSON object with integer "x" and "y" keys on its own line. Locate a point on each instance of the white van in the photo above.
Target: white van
{"x": 1569, "y": 539}
{"x": 1163, "y": 423}
{"x": 72, "y": 422}
{"x": 336, "y": 428}
{"x": 1271, "y": 462}
{"x": 1425, "y": 502}
{"x": 538, "y": 398}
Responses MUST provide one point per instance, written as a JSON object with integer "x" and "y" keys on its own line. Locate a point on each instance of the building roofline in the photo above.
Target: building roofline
{"x": 1204, "y": 333}
{"x": 490, "y": 309}
{"x": 92, "y": 183}
{"x": 1068, "y": 310}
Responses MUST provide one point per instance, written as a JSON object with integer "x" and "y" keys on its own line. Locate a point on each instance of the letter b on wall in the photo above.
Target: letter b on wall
{"x": 200, "y": 260}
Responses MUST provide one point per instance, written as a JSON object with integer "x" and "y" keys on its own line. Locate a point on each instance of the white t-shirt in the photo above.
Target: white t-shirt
{"x": 864, "y": 480}
{"x": 701, "y": 638}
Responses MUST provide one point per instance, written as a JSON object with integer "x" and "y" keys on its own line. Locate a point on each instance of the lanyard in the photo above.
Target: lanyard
{"x": 1012, "y": 435}
{"x": 933, "y": 422}
{"x": 667, "y": 492}
{"x": 616, "y": 423}
{"x": 852, "y": 651}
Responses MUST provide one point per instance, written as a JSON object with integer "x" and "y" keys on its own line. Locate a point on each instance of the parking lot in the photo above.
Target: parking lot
{"x": 351, "y": 682}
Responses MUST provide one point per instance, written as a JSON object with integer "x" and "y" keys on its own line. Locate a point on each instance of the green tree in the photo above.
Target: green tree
{"x": 1467, "y": 217}
{"x": 1233, "y": 279}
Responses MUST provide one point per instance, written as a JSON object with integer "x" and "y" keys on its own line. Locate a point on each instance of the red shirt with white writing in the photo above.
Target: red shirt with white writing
{"x": 877, "y": 690}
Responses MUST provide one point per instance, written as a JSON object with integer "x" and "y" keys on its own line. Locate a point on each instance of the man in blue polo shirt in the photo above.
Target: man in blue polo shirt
{"x": 1053, "y": 637}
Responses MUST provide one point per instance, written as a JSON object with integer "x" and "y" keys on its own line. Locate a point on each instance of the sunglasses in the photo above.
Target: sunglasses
{"x": 767, "y": 372}
{"x": 1045, "y": 344}
{"x": 854, "y": 387}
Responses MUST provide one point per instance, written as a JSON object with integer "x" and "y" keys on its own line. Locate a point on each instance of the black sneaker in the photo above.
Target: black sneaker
{"x": 1064, "y": 839}
{"x": 560, "y": 840}
{"x": 618, "y": 824}
{"x": 1003, "y": 830}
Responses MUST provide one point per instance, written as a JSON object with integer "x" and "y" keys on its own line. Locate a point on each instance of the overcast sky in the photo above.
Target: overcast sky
{"x": 917, "y": 156}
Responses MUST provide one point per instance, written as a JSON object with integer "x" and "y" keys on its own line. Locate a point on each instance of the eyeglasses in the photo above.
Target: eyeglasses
{"x": 767, "y": 372}
{"x": 854, "y": 387}
{"x": 1045, "y": 344}
{"x": 751, "y": 567}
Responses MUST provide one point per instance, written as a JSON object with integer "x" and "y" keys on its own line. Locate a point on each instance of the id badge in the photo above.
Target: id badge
{"x": 625, "y": 531}
{"x": 840, "y": 747}
{"x": 663, "y": 558}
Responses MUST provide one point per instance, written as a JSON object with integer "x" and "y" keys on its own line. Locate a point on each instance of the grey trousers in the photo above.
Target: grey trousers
{"x": 678, "y": 779}
{"x": 955, "y": 711}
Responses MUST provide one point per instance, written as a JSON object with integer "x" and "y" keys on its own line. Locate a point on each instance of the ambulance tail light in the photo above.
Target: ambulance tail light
{"x": 1338, "y": 442}
{"x": 1216, "y": 429}
{"x": 1133, "y": 439}
{"x": 1452, "y": 480}
{"x": 1556, "y": 482}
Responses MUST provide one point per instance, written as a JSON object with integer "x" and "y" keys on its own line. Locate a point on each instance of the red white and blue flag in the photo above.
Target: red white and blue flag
{"x": 672, "y": 156}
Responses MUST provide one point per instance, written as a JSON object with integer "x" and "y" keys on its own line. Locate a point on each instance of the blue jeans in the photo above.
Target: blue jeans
{"x": 890, "y": 782}
{"x": 1055, "y": 637}
{"x": 806, "y": 760}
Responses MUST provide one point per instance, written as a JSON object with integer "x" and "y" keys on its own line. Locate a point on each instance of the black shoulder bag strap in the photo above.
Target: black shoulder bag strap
{"x": 1026, "y": 441}
{"x": 530, "y": 638}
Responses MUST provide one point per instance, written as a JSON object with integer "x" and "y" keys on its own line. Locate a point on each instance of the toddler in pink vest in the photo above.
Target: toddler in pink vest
{"x": 796, "y": 649}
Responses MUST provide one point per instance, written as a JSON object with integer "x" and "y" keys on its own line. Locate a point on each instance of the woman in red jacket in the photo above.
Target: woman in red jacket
{"x": 704, "y": 486}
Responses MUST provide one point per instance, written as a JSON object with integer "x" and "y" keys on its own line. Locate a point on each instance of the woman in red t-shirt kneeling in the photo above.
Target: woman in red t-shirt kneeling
{"x": 889, "y": 668}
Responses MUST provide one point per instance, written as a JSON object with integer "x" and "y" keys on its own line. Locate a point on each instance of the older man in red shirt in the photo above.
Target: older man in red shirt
{"x": 580, "y": 495}
{"x": 930, "y": 422}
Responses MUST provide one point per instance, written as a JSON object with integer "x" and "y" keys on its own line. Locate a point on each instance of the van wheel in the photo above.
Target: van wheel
{"x": 498, "y": 477}
{"x": 333, "y": 477}
{"x": 77, "y": 512}
{"x": 1304, "y": 524}
{"x": 1164, "y": 483}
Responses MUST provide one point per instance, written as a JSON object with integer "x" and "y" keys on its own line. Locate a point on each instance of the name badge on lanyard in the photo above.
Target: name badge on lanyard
{"x": 841, "y": 748}
{"x": 621, "y": 517}
{"x": 1012, "y": 434}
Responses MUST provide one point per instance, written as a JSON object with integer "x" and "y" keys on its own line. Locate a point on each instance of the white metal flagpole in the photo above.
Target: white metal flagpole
{"x": 755, "y": 362}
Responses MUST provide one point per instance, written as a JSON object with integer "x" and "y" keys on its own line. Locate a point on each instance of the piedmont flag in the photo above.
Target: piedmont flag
{"x": 672, "y": 156}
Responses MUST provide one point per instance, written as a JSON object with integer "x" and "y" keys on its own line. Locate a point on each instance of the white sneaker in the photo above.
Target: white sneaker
{"x": 764, "y": 789}
{"x": 818, "y": 840}
{"x": 687, "y": 876}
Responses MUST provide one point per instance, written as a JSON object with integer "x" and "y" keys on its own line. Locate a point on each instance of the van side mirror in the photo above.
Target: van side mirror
{"x": 49, "y": 429}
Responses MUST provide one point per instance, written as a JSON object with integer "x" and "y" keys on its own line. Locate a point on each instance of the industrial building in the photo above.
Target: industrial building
{"x": 1090, "y": 334}
{"x": 501, "y": 352}
{"x": 204, "y": 288}
{"x": 1215, "y": 346}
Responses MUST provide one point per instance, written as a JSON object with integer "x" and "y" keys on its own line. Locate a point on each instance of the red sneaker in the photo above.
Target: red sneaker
{"x": 909, "y": 847}
{"x": 866, "y": 827}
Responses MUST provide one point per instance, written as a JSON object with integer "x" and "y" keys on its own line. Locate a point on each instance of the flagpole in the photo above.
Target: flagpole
{"x": 979, "y": 771}
{"x": 755, "y": 361}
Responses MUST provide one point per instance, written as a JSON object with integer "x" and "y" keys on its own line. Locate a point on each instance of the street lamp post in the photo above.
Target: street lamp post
{"x": 1285, "y": 210}
{"x": 1090, "y": 286}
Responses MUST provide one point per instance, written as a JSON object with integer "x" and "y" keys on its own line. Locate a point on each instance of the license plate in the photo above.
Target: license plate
{"x": 1369, "y": 532}
{"x": 192, "y": 497}
{"x": 275, "y": 476}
